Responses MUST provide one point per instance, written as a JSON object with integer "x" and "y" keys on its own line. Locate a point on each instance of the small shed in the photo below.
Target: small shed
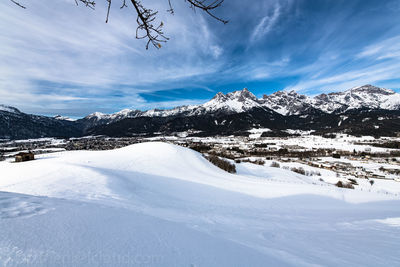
{"x": 24, "y": 156}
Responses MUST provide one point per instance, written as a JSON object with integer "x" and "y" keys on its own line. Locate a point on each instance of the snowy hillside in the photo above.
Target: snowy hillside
{"x": 157, "y": 204}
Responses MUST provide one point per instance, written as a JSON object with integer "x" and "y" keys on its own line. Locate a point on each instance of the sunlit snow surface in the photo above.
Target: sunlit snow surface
{"x": 157, "y": 204}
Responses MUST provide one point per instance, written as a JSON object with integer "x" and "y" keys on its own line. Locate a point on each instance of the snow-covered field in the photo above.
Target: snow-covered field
{"x": 157, "y": 204}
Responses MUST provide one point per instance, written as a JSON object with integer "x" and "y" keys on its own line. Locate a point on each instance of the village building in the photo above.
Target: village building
{"x": 24, "y": 156}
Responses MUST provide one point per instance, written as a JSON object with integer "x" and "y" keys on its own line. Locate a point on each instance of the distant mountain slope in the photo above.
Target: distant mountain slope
{"x": 17, "y": 125}
{"x": 231, "y": 113}
{"x": 357, "y": 122}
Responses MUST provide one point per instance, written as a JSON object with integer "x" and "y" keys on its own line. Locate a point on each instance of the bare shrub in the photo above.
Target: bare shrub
{"x": 222, "y": 163}
{"x": 344, "y": 185}
{"x": 275, "y": 164}
{"x": 199, "y": 147}
{"x": 299, "y": 170}
{"x": 353, "y": 181}
{"x": 315, "y": 173}
{"x": 258, "y": 162}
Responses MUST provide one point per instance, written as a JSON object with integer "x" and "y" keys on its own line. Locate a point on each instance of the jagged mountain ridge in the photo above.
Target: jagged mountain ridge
{"x": 366, "y": 96}
{"x": 234, "y": 102}
{"x": 229, "y": 113}
{"x": 9, "y": 109}
{"x": 282, "y": 102}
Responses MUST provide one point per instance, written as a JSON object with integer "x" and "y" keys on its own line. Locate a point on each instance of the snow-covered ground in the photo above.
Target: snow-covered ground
{"x": 157, "y": 204}
{"x": 342, "y": 143}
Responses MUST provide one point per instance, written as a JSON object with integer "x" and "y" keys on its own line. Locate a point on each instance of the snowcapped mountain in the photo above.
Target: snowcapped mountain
{"x": 283, "y": 102}
{"x": 99, "y": 118}
{"x": 9, "y": 109}
{"x": 125, "y": 113}
{"x": 366, "y": 96}
{"x": 63, "y": 118}
{"x": 288, "y": 102}
{"x": 234, "y": 102}
{"x": 229, "y": 113}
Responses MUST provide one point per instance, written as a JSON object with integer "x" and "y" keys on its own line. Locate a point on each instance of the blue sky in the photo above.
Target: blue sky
{"x": 57, "y": 58}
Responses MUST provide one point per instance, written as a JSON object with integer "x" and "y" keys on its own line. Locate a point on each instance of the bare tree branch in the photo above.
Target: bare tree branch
{"x": 88, "y": 3}
{"x": 108, "y": 10}
{"x": 171, "y": 9}
{"x": 145, "y": 21}
{"x": 123, "y": 4}
{"x": 18, "y": 4}
{"x": 207, "y": 7}
{"x": 146, "y": 17}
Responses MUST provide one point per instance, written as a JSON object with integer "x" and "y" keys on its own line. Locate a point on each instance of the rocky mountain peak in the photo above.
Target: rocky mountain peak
{"x": 64, "y": 118}
{"x": 9, "y": 109}
{"x": 242, "y": 95}
{"x": 287, "y": 102}
{"x": 219, "y": 96}
{"x": 366, "y": 96}
{"x": 370, "y": 89}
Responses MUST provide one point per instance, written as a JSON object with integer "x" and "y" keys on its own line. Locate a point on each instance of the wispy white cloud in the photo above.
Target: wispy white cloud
{"x": 56, "y": 56}
{"x": 346, "y": 80}
{"x": 169, "y": 104}
{"x": 266, "y": 24}
{"x": 326, "y": 76}
{"x": 56, "y": 41}
{"x": 386, "y": 49}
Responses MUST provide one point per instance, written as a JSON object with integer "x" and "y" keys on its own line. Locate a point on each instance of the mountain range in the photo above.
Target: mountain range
{"x": 361, "y": 110}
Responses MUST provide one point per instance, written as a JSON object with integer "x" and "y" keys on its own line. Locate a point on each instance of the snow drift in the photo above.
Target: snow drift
{"x": 159, "y": 204}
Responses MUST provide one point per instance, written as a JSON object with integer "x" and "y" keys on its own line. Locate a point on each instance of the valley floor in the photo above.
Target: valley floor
{"x": 158, "y": 204}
